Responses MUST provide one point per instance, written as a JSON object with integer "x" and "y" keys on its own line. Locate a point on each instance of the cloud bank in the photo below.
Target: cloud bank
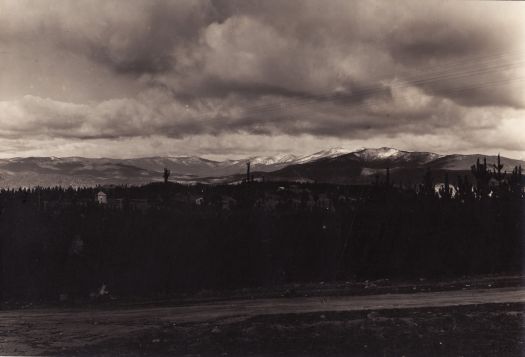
{"x": 311, "y": 73}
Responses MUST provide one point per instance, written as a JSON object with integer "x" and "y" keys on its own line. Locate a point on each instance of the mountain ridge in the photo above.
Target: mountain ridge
{"x": 330, "y": 165}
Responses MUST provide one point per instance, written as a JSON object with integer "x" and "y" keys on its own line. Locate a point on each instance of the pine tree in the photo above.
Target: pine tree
{"x": 482, "y": 175}
{"x": 166, "y": 175}
{"x": 427, "y": 187}
{"x": 497, "y": 169}
{"x": 464, "y": 190}
{"x": 516, "y": 181}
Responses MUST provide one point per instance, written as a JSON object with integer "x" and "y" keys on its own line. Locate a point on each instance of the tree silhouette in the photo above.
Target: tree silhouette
{"x": 166, "y": 175}
{"x": 516, "y": 181}
{"x": 427, "y": 187}
{"x": 497, "y": 168}
{"x": 464, "y": 188}
{"x": 482, "y": 175}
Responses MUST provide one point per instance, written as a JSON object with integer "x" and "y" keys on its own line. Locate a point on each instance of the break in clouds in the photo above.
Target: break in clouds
{"x": 227, "y": 78}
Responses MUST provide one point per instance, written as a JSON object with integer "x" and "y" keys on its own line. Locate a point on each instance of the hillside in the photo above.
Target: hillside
{"x": 363, "y": 166}
{"x": 335, "y": 165}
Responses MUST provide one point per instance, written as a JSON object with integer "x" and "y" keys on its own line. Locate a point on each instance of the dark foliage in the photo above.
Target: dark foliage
{"x": 166, "y": 238}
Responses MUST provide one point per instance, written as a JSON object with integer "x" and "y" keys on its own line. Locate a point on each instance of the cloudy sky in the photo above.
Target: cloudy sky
{"x": 234, "y": 78}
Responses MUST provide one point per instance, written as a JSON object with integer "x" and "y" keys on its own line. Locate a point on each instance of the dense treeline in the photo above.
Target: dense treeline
{"x": 255, "y": 234}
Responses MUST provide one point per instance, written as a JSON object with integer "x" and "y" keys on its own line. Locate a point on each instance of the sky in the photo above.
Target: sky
{"x": 229, "y": 79}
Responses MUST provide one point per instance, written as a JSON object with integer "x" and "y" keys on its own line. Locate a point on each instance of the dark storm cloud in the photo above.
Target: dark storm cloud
{"x": 149, "y": 48}
{"x": 336, "y": 69}
{"x": 432, "y": 38}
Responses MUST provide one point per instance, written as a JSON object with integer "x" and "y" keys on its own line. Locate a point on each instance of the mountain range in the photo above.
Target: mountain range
{"x": 335, "y": 165}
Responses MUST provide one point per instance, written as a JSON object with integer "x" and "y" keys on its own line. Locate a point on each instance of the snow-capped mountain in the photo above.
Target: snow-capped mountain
{"x": 331, "y": 165}
{"x": 381, "y": 153}
{"x": 363, "y": 165}
{"x": 330, "y": 153}
{"x": 395, "y": 155}
{"x": 80, "y": 171}
{"x": 272, "y": 160}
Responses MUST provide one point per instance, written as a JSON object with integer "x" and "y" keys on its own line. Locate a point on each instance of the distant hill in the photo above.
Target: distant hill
{"x": 335, "y": 165}
{"x": 80, "y": 171}
{"x": 364, "y": 165}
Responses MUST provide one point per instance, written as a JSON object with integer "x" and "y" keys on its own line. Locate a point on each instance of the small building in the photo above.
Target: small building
{"x": 438, "y": 188}
{"x": 102, "y": 198}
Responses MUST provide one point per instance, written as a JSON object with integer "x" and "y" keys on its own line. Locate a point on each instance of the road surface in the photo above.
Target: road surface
{"x": 41, "y": 331}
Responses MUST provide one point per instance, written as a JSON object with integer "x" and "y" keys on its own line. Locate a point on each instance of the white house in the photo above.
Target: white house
{"x": 102, "y": 198}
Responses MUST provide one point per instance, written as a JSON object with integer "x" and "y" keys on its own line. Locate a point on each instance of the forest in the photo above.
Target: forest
{"x": 166, "y": 238}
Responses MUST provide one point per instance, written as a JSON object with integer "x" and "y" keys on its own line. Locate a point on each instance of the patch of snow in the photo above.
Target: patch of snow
{"x": 330, "y": 153}
{"x": 391, "y": 153}
{"x": 381, "y": 153}
{"x": 272, "y": 160}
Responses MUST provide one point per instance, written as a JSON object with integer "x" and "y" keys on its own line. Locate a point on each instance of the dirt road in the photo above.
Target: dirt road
{"x": 51, "y": 331}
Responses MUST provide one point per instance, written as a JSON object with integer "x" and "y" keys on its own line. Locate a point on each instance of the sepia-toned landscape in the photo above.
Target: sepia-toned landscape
{"x": 262, "y": 178}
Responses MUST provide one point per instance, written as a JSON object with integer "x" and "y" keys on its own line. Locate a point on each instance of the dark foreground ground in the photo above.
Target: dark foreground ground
{"x": 495, "y": 329}
{"x": 466, "y": 321}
